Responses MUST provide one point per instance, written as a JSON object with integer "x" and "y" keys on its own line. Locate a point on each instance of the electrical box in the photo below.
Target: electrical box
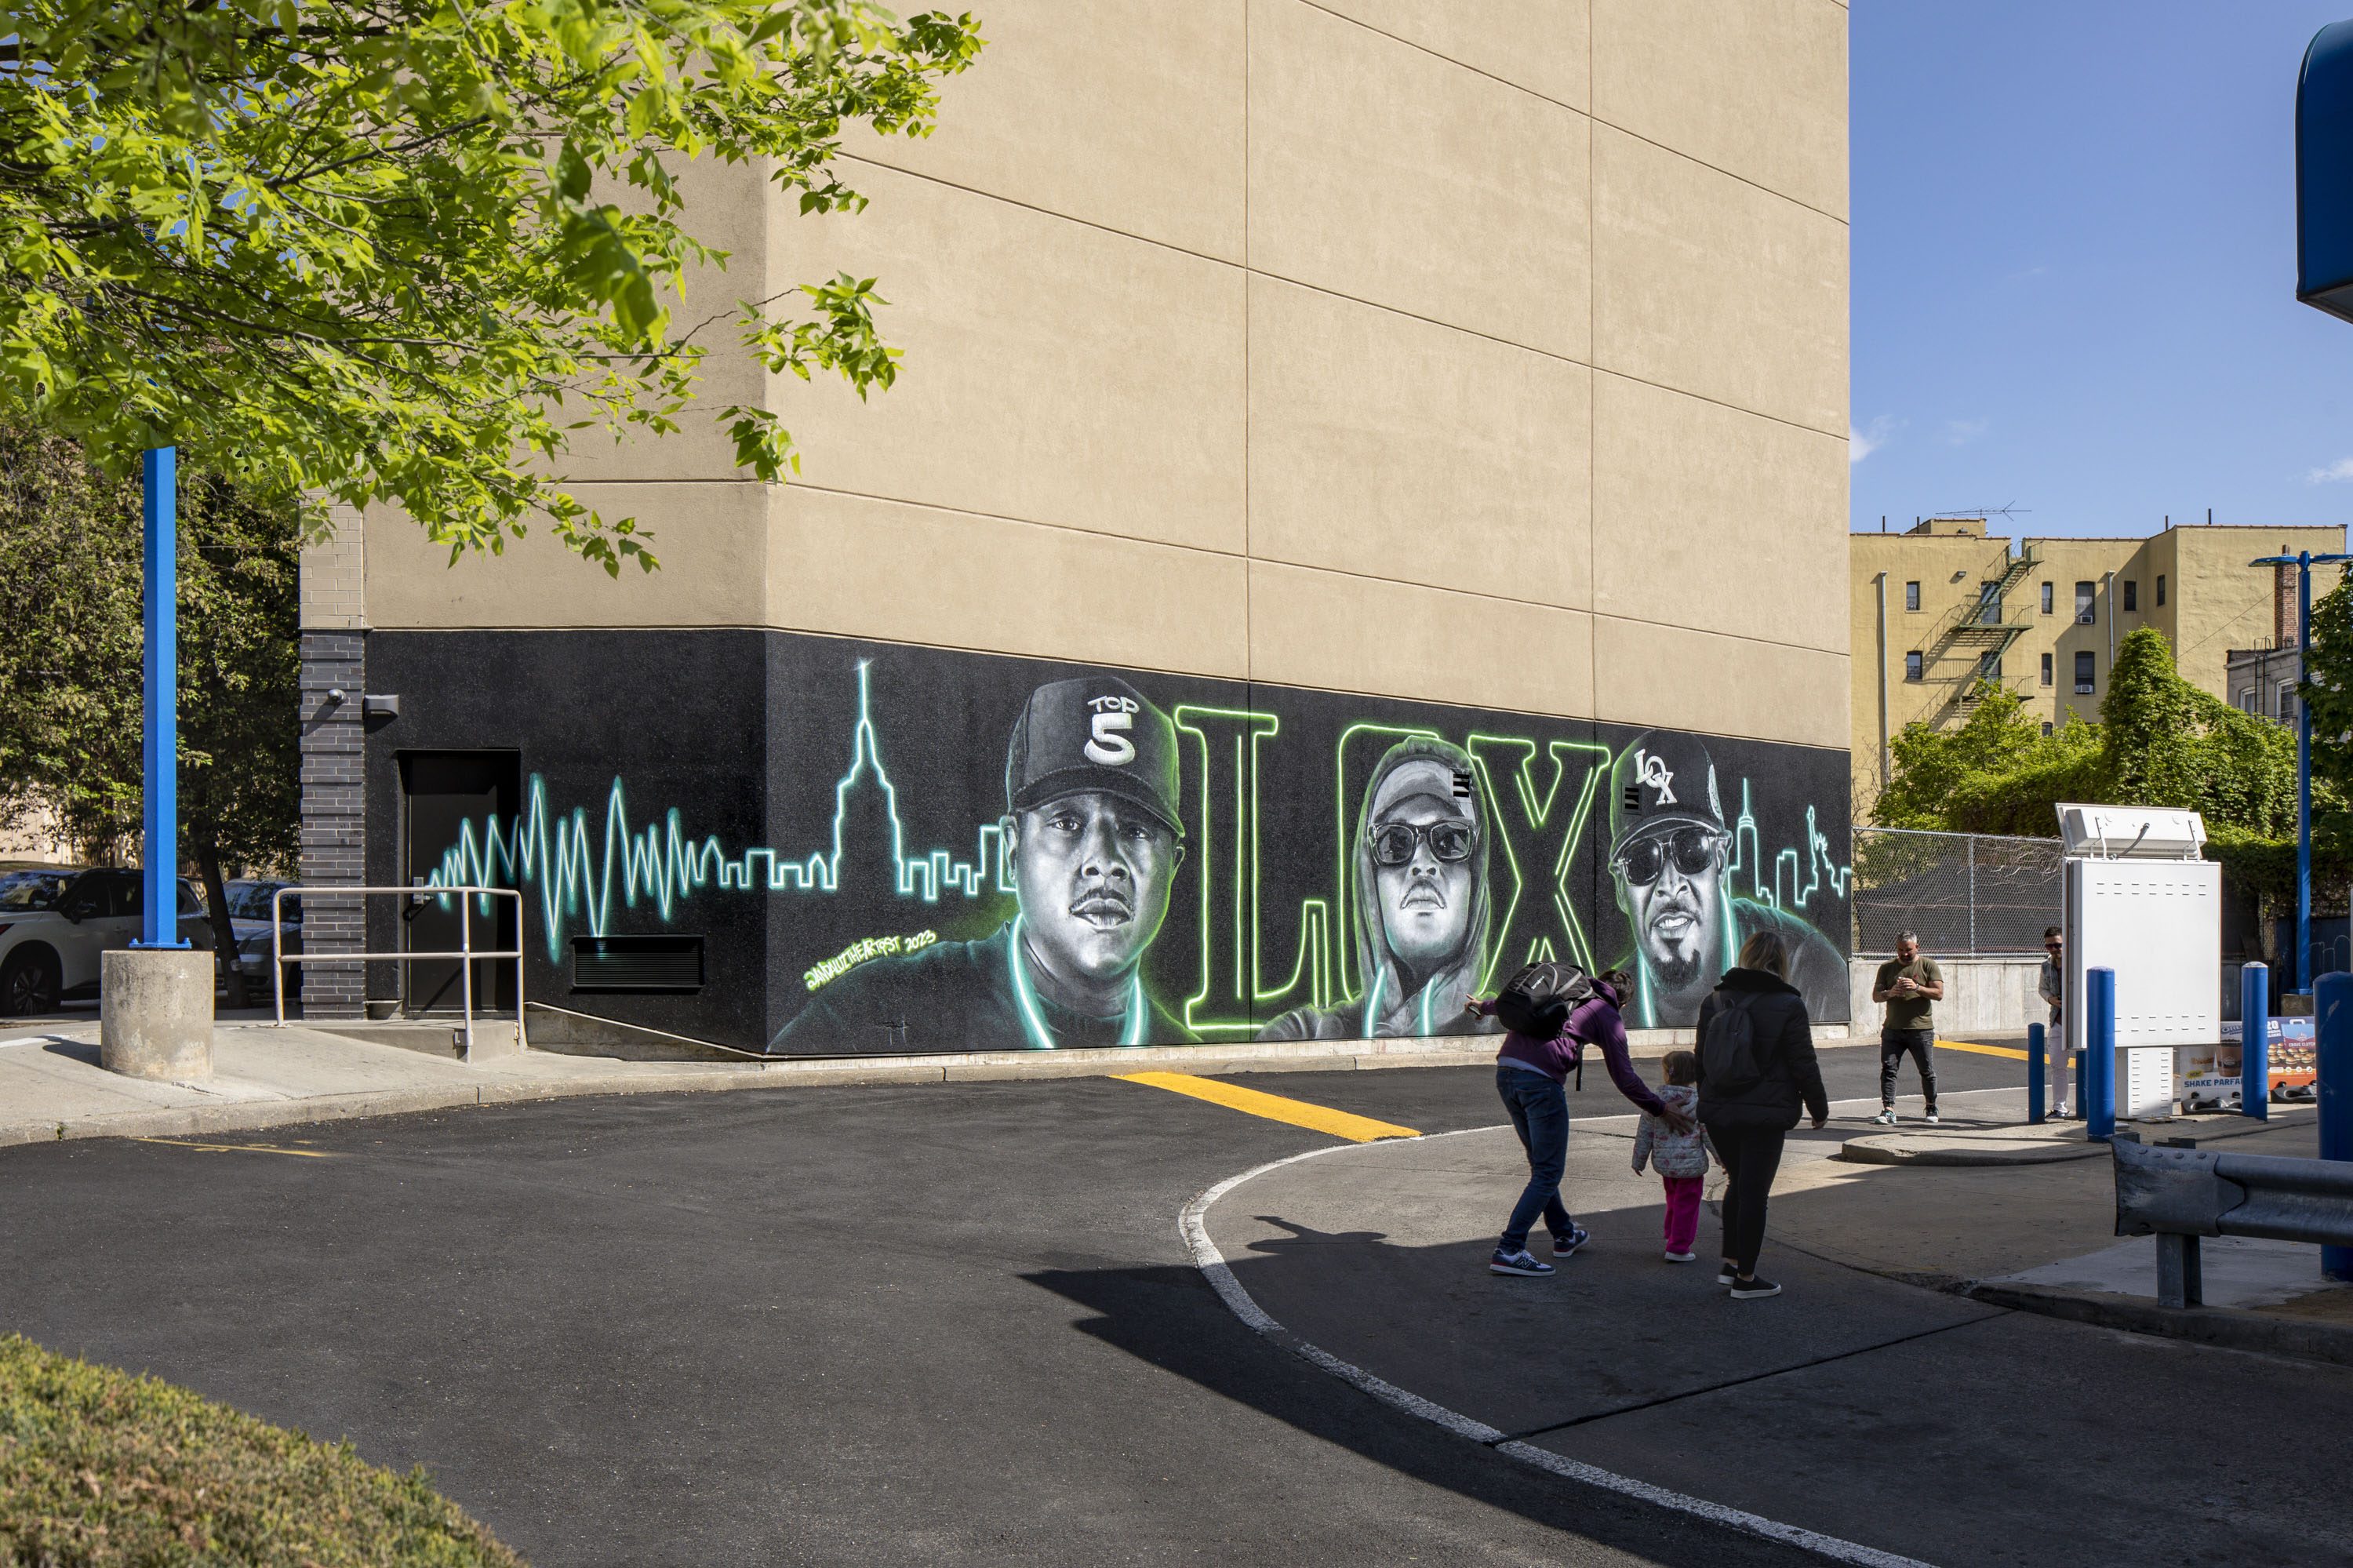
{"x": 2159, "y": 925}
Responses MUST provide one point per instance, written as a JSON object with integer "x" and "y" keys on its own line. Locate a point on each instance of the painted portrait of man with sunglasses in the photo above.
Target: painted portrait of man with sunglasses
{"x": 1668, "y": 849}
{"x": 1418, "y": 889}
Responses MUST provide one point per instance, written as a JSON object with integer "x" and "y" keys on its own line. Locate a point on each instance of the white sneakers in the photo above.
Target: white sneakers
{"x": 1681, "y": 1256}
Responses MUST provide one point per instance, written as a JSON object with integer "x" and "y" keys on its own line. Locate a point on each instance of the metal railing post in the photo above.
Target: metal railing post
{"x": 2255, "y": 1042}
{"x": 466, "y": 968}
{"x": 1971, "y": 851}
{"x": 278, "y": 950}
{"x": 2034, "y": 1072}
{"x": 2332, "y": 1029}
{"x": 2099, "y": 1082}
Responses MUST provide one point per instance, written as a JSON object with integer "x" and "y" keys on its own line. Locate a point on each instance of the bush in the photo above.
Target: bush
{"x": 98, "y": 1467}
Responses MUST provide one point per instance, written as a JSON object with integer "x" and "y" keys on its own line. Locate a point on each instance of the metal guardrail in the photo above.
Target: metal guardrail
{"x": 466, "y": 951}
{"x": 2180, "y": 1194}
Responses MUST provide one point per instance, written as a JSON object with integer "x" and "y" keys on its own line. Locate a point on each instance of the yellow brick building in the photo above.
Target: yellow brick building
{"x": 1937, "y": 605}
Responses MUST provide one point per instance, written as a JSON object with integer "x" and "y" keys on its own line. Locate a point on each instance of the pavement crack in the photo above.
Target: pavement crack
{"x": 1737, "y": 1382}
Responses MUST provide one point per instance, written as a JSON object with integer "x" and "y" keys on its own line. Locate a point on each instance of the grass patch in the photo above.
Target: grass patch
{"x": 98, "y": 1467}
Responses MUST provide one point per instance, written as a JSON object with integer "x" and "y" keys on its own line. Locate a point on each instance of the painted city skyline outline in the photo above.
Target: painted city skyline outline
{"x": 573, "y": 875}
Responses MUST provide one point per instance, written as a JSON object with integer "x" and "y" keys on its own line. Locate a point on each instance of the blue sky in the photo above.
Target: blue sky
{"x": 2074, "y": 268}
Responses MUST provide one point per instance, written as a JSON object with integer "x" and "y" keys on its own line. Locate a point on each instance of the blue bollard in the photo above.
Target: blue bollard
{"x": 2099, "y": 1080}
{"x": 160, "y": 780}
{"x": 2255, "y": 1042}
{"x": 2034, "y": 1099}
{"x": 2332, "y": 1028}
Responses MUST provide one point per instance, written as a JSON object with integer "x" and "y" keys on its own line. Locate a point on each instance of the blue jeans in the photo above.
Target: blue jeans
{"x": 1540, "y": 1112}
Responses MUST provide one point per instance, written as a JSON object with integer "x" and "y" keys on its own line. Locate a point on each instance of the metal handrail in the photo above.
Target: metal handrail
{"x": 466, "y": 951}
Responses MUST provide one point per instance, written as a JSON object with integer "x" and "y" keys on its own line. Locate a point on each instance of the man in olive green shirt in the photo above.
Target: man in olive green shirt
{"x": 1910, "y": 986}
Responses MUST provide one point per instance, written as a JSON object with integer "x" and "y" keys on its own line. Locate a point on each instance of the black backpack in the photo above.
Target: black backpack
{"x": 1536, "y": 1001}
{"x": 1729, "y": 1061}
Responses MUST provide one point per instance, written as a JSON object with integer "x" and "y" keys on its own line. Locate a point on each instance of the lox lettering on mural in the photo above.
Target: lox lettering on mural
{"x": 1165, "y": 860}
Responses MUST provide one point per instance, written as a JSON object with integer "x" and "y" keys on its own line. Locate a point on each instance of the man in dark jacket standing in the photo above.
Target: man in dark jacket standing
{"x": 1531, "y": 1075}
{"x": 1756, "y": 1065}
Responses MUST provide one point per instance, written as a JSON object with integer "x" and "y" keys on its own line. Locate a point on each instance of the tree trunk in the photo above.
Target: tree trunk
{"x": 216, "y": 905}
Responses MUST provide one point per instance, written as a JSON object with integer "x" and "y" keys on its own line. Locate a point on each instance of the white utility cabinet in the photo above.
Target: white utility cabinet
{"x": 2141, "y": 900}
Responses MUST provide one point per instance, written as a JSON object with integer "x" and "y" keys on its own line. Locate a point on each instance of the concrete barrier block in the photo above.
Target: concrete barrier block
{"x": 155, "y": 1012}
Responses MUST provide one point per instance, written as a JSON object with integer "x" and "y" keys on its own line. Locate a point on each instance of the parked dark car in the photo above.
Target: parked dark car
{"x": 250, "y": 901}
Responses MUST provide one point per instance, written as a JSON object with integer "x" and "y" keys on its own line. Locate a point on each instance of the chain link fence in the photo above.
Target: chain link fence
{"x": 1963, "y": 893}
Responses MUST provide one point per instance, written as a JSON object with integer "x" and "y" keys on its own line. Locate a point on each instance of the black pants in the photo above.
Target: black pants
{"x": 1750, "y": 1156}
{"x": 1895, "y": 1044}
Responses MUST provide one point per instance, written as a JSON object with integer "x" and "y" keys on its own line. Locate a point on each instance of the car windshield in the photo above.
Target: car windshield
{"x": 250, "y": 900}
{"x": 31, "y": 889}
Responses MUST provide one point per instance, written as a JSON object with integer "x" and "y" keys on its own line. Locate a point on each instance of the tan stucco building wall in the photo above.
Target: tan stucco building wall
{"x": 2190, "y": 583}
{"x": 1363, "y": 345}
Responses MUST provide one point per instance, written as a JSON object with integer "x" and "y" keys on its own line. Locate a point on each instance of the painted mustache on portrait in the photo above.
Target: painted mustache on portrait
{"x": 1102, "y": 907}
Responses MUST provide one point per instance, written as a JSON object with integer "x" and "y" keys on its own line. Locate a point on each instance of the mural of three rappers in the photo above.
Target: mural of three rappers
{"x": 1121, "y": 873}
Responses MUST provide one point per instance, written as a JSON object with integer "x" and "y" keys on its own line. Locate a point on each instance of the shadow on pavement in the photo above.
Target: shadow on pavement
{"x": 1171, "y": 1319}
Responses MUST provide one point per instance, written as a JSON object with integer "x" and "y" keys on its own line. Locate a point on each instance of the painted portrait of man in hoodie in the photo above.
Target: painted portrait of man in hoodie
{"x": 1418, "y": 884}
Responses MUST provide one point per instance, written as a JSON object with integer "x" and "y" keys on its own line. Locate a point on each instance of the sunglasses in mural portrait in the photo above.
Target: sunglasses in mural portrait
{"x": 1420, "y": 886}
{"x": 1091, "y": 832}
{"x": 1668, "y": 849}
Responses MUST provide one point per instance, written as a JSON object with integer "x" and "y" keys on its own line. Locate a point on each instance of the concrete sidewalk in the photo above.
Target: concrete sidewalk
{"x": 51, "y": 1085}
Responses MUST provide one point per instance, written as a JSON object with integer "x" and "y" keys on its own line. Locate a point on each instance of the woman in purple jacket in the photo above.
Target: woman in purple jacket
{"x": 1531, "y": 1075}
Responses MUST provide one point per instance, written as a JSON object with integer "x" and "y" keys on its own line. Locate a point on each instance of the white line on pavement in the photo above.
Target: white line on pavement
{"x": 1192, "y": 1223}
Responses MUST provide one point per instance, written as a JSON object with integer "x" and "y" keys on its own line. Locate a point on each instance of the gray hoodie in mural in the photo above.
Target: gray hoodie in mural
{"x": 1420, "y": 933}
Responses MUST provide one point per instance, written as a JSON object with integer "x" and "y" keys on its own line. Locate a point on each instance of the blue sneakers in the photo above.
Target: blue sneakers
{"x": 1519, "y": 1262}
{"x": 1577, "y": 1236}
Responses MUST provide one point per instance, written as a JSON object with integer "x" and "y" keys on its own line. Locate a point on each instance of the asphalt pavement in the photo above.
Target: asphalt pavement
{"x": 952, "y": 1322}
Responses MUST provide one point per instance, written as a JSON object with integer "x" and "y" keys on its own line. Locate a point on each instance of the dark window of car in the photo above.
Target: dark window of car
{"x": 2046, "y": 598}
{"x": 87, "y": 899}
{"x": 2046, "y": 668}
{"x": 1911, "y": 596}
{"x": 1912, "y": 663}
{"x": 251, "y": 901}
{"x": 2084, "y": 613}
{"x": 189, "y": 903}
{"x": 125, "y": 896}
{"x": 2132, "y": 596}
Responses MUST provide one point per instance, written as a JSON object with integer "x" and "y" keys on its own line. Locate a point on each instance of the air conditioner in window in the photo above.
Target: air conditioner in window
{"x": 2082, "y": 688}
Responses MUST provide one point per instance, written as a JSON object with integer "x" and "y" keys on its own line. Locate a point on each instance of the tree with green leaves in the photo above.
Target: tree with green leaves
{"x": 403, "y": 250}
{"x": 72, "y": 567}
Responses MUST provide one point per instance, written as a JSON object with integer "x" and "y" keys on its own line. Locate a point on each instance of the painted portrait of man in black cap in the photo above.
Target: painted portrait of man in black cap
{"x": 1668, "y": 849}
{"x": 1092, "y": 834}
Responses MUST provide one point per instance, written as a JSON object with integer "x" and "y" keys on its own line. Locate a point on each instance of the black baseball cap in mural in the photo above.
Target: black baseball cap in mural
{"x": 1663, "y": 779}
{"x": 1096, "y": 733}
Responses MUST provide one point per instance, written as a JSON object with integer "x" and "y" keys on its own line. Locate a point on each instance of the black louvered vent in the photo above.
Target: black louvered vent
{"x": 636, "y": 963}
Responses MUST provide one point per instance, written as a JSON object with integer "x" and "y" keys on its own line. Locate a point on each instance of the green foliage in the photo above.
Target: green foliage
{"x": 99, "y": 1466}
{"x": 373, "y": 249}
{"x": 70, "y": 677}
{"x": 2161, "y": 741}
{"x": 2326, "y": 691}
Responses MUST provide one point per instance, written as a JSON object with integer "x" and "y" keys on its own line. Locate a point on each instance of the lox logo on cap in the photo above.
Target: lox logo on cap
{"x": 1653, "y": 769}
{"x": 1113, "y": 717}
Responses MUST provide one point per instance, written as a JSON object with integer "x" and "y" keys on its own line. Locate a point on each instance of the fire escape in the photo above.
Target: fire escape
{"x": 1981, "y": 630}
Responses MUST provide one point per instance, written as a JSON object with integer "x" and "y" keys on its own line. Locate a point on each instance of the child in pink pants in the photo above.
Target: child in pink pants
{"x": 1680, "y": 1158}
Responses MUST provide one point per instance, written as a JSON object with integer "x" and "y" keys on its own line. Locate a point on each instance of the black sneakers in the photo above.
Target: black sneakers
{"x": 1753, "y": 1288}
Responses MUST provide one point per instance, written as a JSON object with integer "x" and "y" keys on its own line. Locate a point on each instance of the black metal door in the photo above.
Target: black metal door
{"x": 458, "y": 817}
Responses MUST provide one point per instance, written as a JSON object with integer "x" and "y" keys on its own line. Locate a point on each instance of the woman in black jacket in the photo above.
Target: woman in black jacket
{"x": 1751, "y": 1103}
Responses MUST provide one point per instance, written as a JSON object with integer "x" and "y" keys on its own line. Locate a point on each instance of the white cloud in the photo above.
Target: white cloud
{"x": 1961, "y": 433}
{"x": 2341, "y": 469}
{"x": 1861, "y": 444}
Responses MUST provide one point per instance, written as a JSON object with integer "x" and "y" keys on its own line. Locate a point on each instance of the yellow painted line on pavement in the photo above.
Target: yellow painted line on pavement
{"x": 1981, "y": 1050}
{"x": 241, "y": 1148}
{"x": 1274, "y": 1108}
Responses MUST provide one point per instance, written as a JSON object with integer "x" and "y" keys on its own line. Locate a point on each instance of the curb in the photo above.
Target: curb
{"x": 256, "y": 1115}
{"x": 1874, "y": 1149}
{"x": 2223, "y": 1328}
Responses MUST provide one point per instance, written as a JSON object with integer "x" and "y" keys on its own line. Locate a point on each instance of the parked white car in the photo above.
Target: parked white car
{"x": 54, "y": 922}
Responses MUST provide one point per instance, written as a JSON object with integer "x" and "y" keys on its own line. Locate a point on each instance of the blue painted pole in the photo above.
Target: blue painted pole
{"x": 2099, "y": 1054}
{"x": 2332, "y": 1028}
{"x": 2035, "y": 1098}
{"x": 2302, "y": 780}
{"x": 2255, "y": 1042}
{"x": 158, "y": 478}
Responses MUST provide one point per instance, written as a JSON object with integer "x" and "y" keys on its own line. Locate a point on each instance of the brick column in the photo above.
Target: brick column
{"x": 334, "y": 821}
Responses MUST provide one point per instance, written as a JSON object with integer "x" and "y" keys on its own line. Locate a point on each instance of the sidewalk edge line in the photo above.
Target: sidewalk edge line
{"x": 1192, "y": 1224}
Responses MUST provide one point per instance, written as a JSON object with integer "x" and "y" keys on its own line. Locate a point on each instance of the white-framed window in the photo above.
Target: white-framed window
{"x": 1911, "y": 596}
{"x": 2047, "y": 658}
{"x": 2086, "y": 610}
{"x": 1913, "y": 663}
{"x": 2046, "y": 598}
